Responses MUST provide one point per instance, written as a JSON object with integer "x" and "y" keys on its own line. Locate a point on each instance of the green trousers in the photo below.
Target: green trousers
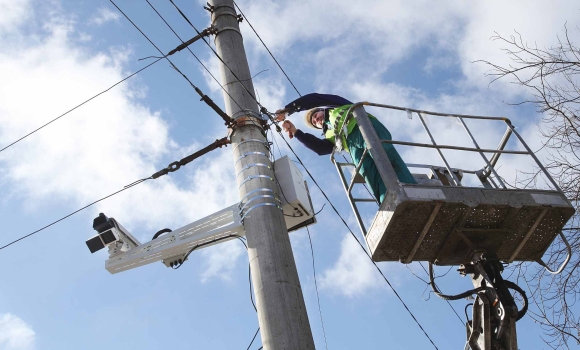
{"x": 356, "y": 145}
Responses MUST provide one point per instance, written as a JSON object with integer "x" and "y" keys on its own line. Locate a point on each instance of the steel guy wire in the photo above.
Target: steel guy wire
{"x": 272, "y": 55}
{"x": 76, "y": 211}
{"x": 194, "y": 55}
{"x": 316, "y": 286}
{"x": 359, "y": 243}
{"x": 77, "y": 106}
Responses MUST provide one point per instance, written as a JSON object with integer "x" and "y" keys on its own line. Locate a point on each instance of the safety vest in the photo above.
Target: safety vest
{"x": 335, "y": 121}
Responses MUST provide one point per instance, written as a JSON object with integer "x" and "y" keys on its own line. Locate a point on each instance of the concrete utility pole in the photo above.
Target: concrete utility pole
{"x": 281, "y": 310}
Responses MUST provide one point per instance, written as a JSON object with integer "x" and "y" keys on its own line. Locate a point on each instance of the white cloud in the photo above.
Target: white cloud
{"x": 221, "y": 260}
{"x": 15, "y": 334}
{"x": 104, "y": 145}
{"x": 353, "y": 274}
{"x": 13, "y": 13}
{"x": 104, "y": 15}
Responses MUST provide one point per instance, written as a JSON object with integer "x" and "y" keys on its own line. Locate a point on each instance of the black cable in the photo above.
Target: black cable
{"x": 452, "y": 297}
{"x": 160, "y": 232}
{"x": 254, "y": 338}
{"x": 359, "y": 243}
{"x": 204, "y": 244}
{"x": 204, "y": 97}
{"x": 274, "y": 58}
{"x": 465, "y": 310}
{"x": 215, "y": 53}
{"x": 77, "y": 106}
{"x": 316, "y": 286}
{"x": 74, "y": 212}
{"x": 518, "y": 289}
{"x": 448, "y": 303}
{"x": 194, "y": 55}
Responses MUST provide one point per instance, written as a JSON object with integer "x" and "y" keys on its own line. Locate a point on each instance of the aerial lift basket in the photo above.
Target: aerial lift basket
{"x": 442, "y": 221}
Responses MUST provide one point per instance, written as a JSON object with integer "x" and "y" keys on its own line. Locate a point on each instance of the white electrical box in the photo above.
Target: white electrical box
{"x": 294, "y": 195}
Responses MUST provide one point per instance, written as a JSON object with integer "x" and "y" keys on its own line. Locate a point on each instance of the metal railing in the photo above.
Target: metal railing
{"x": 386, "y": 171}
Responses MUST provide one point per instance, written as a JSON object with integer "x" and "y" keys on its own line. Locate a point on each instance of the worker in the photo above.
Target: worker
{"x": 323, "y": 111}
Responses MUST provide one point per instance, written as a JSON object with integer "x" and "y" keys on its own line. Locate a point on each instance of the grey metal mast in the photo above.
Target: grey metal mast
{"x": 281, "y": 310}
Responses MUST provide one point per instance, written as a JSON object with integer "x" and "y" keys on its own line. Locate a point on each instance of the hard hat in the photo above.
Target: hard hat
{"x": 308, "y": 116}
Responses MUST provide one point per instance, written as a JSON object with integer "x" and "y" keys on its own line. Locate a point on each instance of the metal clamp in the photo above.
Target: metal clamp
{"x": 263, "y": 189}
{"x": 246, "y": 113}
{"x": 223, "y": 29}
{"x": 251, "y": 166}
{"x": 258, "y": 197}
{"x": 255, "y": 177}
{"x": 249, "y": 154}
{"x": 257, "y": 206}
{"x": 265, "y": 143}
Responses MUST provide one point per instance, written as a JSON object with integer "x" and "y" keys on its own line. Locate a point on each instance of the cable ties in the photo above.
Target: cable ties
{"x": 258, "y": 197}
{"x": 249, "y": 154}
{"x": 255, "y": 177}
{"x": 251, "y": 166}
{"x": 263, "y": 189}
{"x": 257, "y": 206}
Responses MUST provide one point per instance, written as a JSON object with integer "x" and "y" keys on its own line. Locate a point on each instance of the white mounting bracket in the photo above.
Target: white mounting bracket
{"x": 172, "y": 247}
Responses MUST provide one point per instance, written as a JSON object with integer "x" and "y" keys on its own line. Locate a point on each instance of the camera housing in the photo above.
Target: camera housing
{"x": 110, "y": 234}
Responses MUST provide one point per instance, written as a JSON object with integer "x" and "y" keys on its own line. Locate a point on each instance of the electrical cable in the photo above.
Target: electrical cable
{"x": 359, "y": 243}
{"x": 74, "y": 212}
{"x": 215, "y": 53}
{"x": 524, "y": 309}
{"x": 448, "y": 303}
{"x": 160, "y": 232}
{"x": 77, "y": 106}
{"x": 254, "y": 338}
{"x": 274, "y": 58}
{"x": 194, "y": 55}
{"x": 465, "y": 311}
{"x": 204, "y": 97}
{"x": 456, "y": 296}
{"x": 316, "y": 287}
{"x": 252, "y": 95}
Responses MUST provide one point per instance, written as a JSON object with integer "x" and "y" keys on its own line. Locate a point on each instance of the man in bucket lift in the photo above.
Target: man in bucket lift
{"x": 323, "y": 111}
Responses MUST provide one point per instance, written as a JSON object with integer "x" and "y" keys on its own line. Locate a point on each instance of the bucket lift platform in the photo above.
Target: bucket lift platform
{"x": 448, "y": 225}
{"x": 440, "y": 220}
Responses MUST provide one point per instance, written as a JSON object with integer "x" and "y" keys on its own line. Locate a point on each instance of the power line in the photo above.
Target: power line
{"x": 385, "y": 278}
{"x": 359, "y": 243}
{"x": 215, "y": 53}
{"x": 262, "y": 41}
{"x": 74, "y": 212}
{"x": 316, "y": 286}
{"x": 194, "y": 55}
{"x": 152, "y": 43}
{"x": 77, "y": 106}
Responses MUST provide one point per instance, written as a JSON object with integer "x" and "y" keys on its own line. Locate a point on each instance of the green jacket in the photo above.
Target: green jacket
{"x": 336, "y": 122}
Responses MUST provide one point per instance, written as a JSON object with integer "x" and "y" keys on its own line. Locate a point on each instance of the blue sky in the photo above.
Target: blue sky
{"x": 55, "y": 54}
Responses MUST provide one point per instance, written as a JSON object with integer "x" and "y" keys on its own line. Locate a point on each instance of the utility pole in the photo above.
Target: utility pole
{"x": 280, "y": 304}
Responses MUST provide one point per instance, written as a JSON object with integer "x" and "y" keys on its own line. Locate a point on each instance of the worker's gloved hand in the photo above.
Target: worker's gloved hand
{"x": 289, "y": 128}
{"x": 281, "y": 114}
